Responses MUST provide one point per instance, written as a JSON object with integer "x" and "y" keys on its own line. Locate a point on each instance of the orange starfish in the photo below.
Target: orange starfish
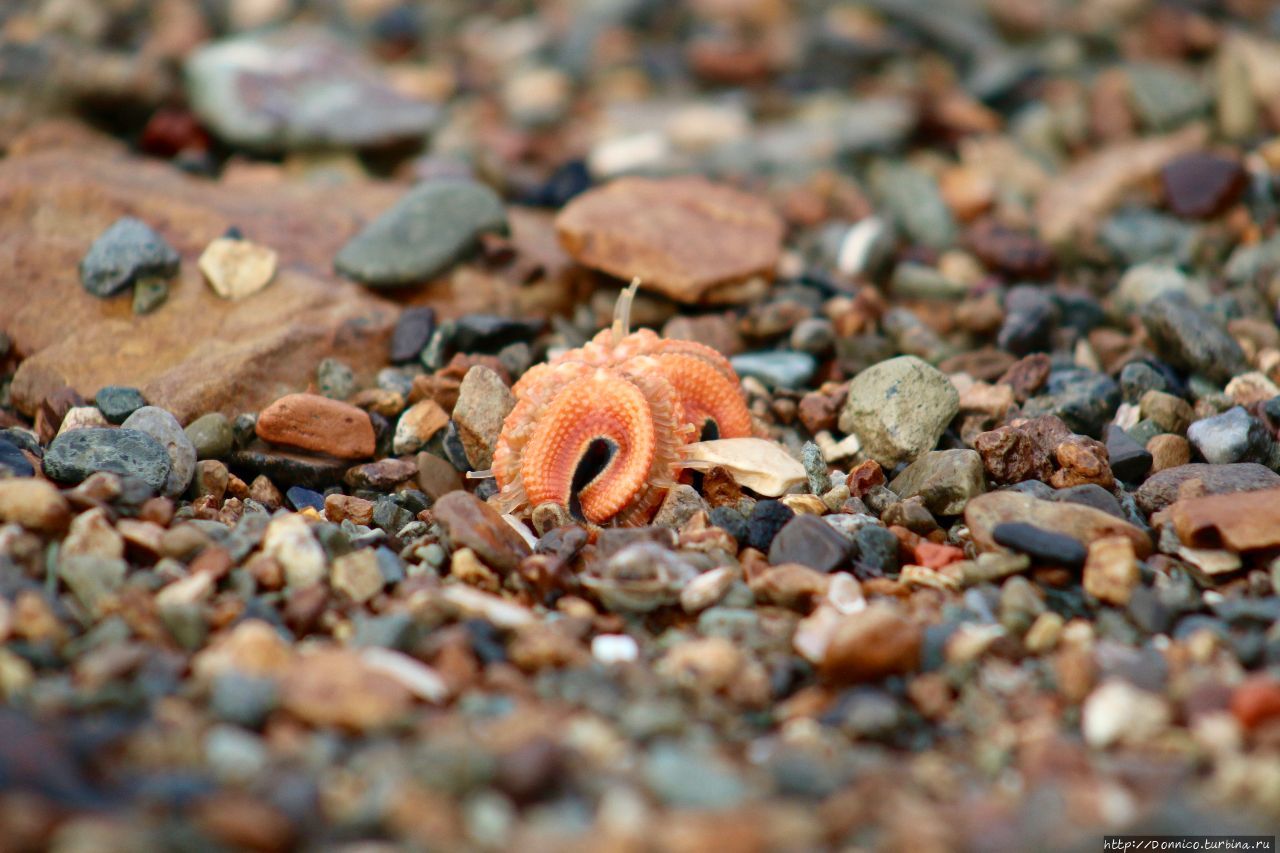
{"x": 598, "y": 429}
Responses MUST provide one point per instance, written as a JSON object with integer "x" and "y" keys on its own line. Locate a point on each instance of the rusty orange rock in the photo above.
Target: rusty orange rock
{"x": 318, "y": 424}
{"x": 1241, "y": 521}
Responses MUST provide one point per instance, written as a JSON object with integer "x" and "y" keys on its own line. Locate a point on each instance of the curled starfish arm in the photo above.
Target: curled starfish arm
{"x": 592, "y": 449}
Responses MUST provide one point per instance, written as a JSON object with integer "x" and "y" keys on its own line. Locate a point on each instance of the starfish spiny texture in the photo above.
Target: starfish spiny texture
{"x": 598, "y": 429}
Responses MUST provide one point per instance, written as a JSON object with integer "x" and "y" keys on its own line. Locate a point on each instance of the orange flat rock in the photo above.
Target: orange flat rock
{"x": 1241, "y": 521}
{"x": 318, "y": 424}
{"x": 682, "y": 236}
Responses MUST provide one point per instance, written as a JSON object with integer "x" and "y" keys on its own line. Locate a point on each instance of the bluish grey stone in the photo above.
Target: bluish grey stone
{"x": 164, "y": 428}
{"x": 777, "y": 369}
{"x": 684, "y": 778}
{"x": 75, "y": 455}
{"x": 1233, "y": 436}
{"x": 432, "y": 226}
{"x": 1165, "y": 96}
{"x": 912, "y": 196}
{"x": 125, "y": 252}
{"x": 1138, "y": 235}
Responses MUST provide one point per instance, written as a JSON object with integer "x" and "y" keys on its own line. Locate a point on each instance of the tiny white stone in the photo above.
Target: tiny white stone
{"x": 614, "y": 648}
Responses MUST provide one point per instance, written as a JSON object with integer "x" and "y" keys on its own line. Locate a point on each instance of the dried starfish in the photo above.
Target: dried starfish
{"x": 598, "y": 429}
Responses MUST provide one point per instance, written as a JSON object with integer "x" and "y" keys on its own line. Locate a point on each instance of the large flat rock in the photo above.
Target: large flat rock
{"x": 196, "y": 353}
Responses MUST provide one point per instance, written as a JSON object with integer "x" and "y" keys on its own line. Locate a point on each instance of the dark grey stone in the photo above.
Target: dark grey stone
{"x": 433, "y": 226}
{"x": 125, "y": 252}
{"x": 74, "y": 455}
{"x": 1042, "y": 545}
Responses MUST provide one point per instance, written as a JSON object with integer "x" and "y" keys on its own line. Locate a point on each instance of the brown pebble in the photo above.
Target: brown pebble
{"x": 872, "y": 644}
{"x": 34, "y": 504}
{"x": 1010, "y": 455}
{"x": 1027, "y": 375}
{"x": 1168, "y": 451}
{"x": 318, "y": 424}
{"x": 436, "y": 476}
{"x": 1256, "y": 701}
{"x": 1083, "y": 460}
{"x": 265, "y": 492}
{"x": 472, "y": 523}
{"x": 339, "y": 508}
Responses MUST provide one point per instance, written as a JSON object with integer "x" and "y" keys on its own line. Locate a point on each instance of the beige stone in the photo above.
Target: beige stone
{"x": 1111, "y": 570}
{"x": 237, "y": 268}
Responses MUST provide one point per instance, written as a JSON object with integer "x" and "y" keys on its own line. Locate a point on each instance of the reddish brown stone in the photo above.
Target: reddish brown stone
{"x": 318, "y": 424}
{"x": 864, "y": 477}
{"x": 1011, "y": 455}
{"x": 471, "y": 523}
{"x": 819, "y": 412}
{"x": 1201, "y": 185}
{"x": 683, "y": 237}
{"x": 872, "y": 644}
{"x": 987, "y": 365}
{"x": 1018, "y": 254}
{"x": 1027, "y": 375}
{"x": 1256, "y": 701}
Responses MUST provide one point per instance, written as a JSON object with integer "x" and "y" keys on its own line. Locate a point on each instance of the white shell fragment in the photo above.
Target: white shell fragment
{"x": 760, "y": 465}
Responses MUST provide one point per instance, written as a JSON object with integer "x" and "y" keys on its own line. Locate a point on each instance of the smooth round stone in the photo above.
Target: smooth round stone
{"x": 433, "y": 226}
{"x": 117, "y": 402}
{"x": 1138, "y": 235}
{"x": 776, "y": 369}
{"x": 731, "y": 521}
{"x": 1041, "y": 545}
{"x": 125, "y": 252}
{"x": 809, "y": 541}
{"x": 1145, "y": 283}
{"x": 164, "y": 428}
{"x": 212, "y": 435}
{"x": 1090, "y": 494}
{"x": 74, "y": 455}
